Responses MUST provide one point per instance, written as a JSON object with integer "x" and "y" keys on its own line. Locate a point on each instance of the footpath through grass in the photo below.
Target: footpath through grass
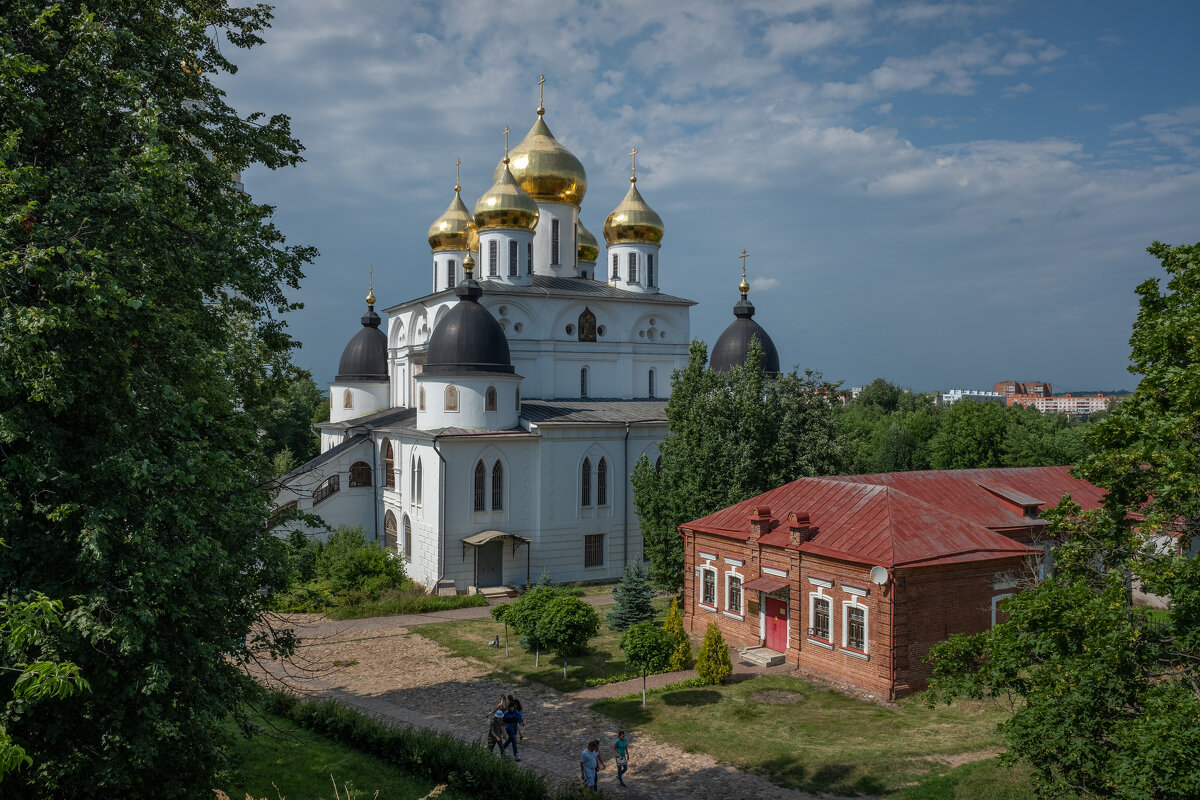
{"x": 296, "y": 764}
{"x": 604, "y": 658}
{"x": 816, "y": 740}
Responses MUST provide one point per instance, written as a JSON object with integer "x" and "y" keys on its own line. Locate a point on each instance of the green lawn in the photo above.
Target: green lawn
{"x": 289, "y": 762}
{"x": 817, "y": 740}
{"x": 470, "y": 638}
{"x": 980, "y": 780}
{"x": 406, "y": 602}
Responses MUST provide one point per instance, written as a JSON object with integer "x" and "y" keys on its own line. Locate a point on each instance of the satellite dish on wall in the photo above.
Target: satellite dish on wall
{"x": 879, "y": 575}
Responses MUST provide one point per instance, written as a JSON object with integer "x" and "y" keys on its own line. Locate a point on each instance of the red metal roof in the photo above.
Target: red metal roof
{"x": 901, "y": 519}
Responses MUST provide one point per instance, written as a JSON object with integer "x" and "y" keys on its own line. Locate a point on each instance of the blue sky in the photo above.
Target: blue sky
{"x": 943, "y": 194}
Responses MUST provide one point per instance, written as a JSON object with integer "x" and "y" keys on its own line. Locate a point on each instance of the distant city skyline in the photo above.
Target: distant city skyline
{"x": 940, "y": 194}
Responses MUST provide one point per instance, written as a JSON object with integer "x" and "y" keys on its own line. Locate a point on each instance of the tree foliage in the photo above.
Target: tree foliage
{"x": 567, "y": 624}
{"x": 681, "y": 645}
{"x": 647, "y": 650}
{"x": 713, "y": 666}
{"x": 1106, "y": 699}
{"x": 634, "y": 598}
{"x": 141, "y": 349}
{"x": 731, "y": 436}
{"x": 287, "y": 424}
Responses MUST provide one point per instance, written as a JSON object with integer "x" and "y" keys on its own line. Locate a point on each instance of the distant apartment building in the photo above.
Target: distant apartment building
{"x": 1065, "y": 404}
{"x": 977, "y": 395}
{"x": 1035, "y": 388}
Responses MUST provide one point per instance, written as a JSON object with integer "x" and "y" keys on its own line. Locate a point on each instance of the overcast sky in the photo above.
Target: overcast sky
{"x": 943, "y": 194}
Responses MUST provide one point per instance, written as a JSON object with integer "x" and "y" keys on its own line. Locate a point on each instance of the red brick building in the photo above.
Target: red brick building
{"x": 856, "y": 577}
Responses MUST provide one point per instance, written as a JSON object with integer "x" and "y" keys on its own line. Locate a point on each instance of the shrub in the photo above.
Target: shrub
{"x": 350, "y": 563}
{"x": 634, "y": 597}
{"x": 713, "y": 664}
{"x": 524, "y": 613}
{"x": 681, "y": 645}
{"x": 566, "y": 625}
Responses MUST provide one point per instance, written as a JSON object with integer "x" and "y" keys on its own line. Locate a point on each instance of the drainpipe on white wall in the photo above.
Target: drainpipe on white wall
{"x": 441, "y": 515}
{"x": 626, "y": 498}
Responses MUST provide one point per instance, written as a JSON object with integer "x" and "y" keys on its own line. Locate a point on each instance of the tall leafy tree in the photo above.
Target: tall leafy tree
{"x": 141, "y": 348}
{"x": 732, "y": 435}
{"x": 1108, "y": 700}
{"x": 647, "y": 649}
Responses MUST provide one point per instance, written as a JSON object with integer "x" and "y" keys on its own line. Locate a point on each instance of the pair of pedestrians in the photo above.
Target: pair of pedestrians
{"x": 590, "y": 761}
{"x": 505, "y": 726}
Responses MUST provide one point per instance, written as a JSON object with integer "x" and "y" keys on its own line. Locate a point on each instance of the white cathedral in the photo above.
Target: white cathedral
{"x": 490, "y": 433}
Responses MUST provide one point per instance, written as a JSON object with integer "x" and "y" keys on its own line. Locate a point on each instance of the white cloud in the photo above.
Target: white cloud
{"x": 1016, "y": 91}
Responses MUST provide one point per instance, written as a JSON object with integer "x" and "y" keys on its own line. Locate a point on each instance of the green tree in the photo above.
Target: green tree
{"x": 566, "y": 625}
{"x": 352, "y": 564}
{"x": 634, "y": 598}
{"x": 731, "y": 436}
{"x": 713, "y": 665}
{"x": 647, "y": 649}
{"x": 289, "y": 418}
{"x": 970, "y": 436}
{"x": 681, "y": 645}
{"x": 1106, "y": 703}
{"x": 141, "y": 349}
{"x": 526, "y": 611}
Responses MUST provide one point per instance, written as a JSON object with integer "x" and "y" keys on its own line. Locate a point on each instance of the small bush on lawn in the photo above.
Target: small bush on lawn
{"x": 468, "y": 768}
{"x": 681, "y": 645}
{"x": 348, "y": 570}
{"x": 713, "y": 665}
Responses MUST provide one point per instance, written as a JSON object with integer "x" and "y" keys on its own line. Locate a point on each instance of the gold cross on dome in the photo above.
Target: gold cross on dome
{"x": 506, "y": 143}
{"x": 371, "y": 289}
{"x": 743, "y": 257}
{"x": 633, "y": 155}
{"x": 541, "y": 81}
{"x": 457, "y": 180}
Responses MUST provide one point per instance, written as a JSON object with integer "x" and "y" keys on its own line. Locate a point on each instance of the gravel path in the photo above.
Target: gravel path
{"x": 384, "y": 667}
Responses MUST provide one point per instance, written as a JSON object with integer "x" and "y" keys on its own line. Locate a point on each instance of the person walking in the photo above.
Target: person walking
{"x": 512, "y": 719}
{"x": 515, "y": 703}
{"x": 590, "y": 763}
{"x": 496, "y": 731}
{"x": 621, "y": 751}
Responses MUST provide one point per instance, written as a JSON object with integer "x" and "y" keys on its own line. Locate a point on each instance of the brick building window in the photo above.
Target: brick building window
{"x": 593, "y": 550}
{"x": 854, "y": 627}
{"x": 733, "y": 593}
{"x": 818, "y": 615}
{"x": 708, "y": 587}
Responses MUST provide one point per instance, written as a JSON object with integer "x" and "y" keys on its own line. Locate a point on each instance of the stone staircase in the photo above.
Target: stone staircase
{"x": 763, "y": 656}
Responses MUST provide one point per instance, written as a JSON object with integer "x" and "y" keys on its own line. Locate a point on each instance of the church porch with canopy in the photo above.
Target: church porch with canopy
{"x": 488, "y": 561}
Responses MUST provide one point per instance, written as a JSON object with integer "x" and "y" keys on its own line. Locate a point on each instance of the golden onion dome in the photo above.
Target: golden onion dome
{"x": 544, "y": 168}
{"x": 473, "y": 236}
{"x": 633, "y": 221}
{"x": 506, "y": 205}
{"x": 588, "y": 248}
{"x": 451, "y": 231}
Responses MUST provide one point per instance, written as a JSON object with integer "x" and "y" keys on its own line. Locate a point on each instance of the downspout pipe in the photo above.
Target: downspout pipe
{"x": 441, "y": 515}
{"x": 625, "y": 511}
{"x": 374, "y": 485}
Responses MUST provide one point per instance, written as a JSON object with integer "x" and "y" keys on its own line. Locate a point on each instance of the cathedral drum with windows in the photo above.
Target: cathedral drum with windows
{"x": 490, "y": 433}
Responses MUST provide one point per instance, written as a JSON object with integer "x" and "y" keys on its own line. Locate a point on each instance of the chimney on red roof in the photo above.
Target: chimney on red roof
{"x": 760, "y": 522}
{"x": 800, "y": 528}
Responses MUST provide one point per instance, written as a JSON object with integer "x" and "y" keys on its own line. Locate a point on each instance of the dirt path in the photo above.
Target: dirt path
{"x": 386, "y": 669}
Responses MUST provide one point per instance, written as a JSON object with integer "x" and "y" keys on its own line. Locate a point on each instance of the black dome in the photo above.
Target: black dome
{"x": 468, "y": 339}
{"x": 733, "y": 345}
{"x": 365, "y": 357}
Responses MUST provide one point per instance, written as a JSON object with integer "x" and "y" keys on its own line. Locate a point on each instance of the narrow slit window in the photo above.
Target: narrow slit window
{"x": 602, "y": 483}
{"x": 497, "y": 486}
{"x": 554, "y": 242}
{"x": 512, "y": 258}
{"x": 585, "y": 483}
{"x": 650, "y": 269}
{"x": 633, "y": 267}
{"x": 616, "y": 273}
{"x": 480, "y": 478}
{"x": 492, "y": 257}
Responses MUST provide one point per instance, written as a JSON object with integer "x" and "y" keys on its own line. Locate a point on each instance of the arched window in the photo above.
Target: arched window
{"x": 492, "y": 257}
{"x": 585, "y": 483}
{"x": 650, "y": 269}
{"x": 389, "y": 532}
{"x": 554, "y": 242}
{"x": 480, "y": 478}
{"x": 497, "y": 486}
{"x": 616, "y": 273}
{"x": 331, "y": 485}
{"x": 633, "y": 267}
{"x": 583, "y": 382}
{"x": 602, "y": 483}
{"x": 489, "y": 399}
{"x": 389, "y": 465}
{"x": 658, "y": 464}
{"x": 416, "y": 480}
{"x": 360, "y": 474}
{"x": 587, "y": 326}
{"x": 512, "y": 257}
{"x": 347, "y": 399}
{"x": 407, "y": 538}
{"x": 421, "y": 399}
{"x": 650, "y": 381}
{"x": 451, "y": 398}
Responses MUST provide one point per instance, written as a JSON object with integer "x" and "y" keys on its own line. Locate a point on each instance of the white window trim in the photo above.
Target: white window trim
{"x": 996, "y": 605}
{"x": 707, "y": 556}
{"x": 854, "y": 590}
{"x": 731, "y": 574}
{"x": 716, "y": 589}
{"x": 777, "y": 573}
{"x": 733, "y": 562}
{"x": 821, "y": 583}
{"x": 1008, "y": 583}
{"x": 853, "y": 602}
{"x": 812, "y": 604}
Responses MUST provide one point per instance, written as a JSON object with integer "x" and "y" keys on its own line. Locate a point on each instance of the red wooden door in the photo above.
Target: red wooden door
{"x": 776, "y": 613}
